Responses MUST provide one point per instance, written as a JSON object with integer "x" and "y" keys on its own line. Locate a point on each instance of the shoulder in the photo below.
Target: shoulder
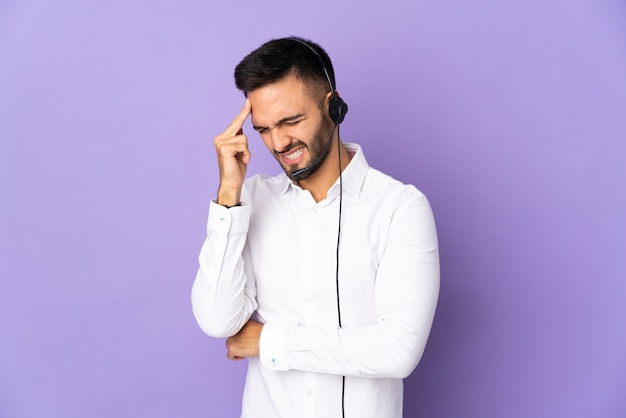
{"x": 380, "y": 184}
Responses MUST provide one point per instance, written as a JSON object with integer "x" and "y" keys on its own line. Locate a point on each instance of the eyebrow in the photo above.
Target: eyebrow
{"x": 283, "y": 121}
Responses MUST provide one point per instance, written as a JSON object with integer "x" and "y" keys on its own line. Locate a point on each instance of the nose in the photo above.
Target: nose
{"x": 280, "y": 141}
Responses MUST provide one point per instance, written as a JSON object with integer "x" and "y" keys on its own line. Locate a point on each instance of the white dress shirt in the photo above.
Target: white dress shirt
{"x": 274, "y": 259}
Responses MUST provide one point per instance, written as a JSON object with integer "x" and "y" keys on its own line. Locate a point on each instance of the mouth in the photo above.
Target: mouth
{"x": 292, "y": 157}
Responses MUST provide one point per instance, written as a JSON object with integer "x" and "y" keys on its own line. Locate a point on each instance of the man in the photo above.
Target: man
{"x": 326, "y": 276}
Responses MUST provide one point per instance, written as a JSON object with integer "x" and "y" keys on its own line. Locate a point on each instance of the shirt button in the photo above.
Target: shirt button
{"x": 309, "y": 393}
{"x": 307, "y": 300}
{"x": 314, "y": 211}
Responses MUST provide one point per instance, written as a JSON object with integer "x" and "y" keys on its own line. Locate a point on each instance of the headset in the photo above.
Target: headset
{"x": 337, "y": 110}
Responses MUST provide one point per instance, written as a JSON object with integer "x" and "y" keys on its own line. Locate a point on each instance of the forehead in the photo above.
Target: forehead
{"x": 286, "y": 97}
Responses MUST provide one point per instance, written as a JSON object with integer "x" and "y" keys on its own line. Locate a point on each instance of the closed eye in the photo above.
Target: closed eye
{"x": 288, "y": 121}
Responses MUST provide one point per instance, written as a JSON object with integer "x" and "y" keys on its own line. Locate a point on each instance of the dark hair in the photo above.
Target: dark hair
{"x": 279, "y": 58}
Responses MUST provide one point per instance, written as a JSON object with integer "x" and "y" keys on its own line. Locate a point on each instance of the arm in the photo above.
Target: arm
{"x": 222, "y": 297}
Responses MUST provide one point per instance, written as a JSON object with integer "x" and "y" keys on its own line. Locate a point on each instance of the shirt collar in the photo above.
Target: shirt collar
{"x": 352, "y": 177}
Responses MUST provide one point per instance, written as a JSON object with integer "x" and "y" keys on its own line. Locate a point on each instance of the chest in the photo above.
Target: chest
{"x": 292, "y": 251}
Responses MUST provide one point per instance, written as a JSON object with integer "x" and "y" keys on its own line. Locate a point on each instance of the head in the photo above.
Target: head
{"x": 290, "y": 94}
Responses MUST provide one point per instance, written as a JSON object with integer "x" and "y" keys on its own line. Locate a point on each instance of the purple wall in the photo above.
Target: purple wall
{"x": 511, "y": 118}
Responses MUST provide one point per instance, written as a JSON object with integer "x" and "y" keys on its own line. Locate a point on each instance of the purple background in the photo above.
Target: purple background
{"x": 510, "y": 116}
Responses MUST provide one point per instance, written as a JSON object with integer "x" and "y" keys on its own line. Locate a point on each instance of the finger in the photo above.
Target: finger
{"x": 232, "y": 147}
{"x": 236, "y": 126}
{"x": 231, "y": 356}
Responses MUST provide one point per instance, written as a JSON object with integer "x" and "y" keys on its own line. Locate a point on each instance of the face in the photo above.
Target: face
{"x": 291, "y": 124}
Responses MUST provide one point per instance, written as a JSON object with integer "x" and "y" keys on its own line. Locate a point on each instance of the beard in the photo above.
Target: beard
{"x": 318, "y": 149}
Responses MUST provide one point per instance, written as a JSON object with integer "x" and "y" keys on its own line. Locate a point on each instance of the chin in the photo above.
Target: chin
{"x": 289, "y": 171}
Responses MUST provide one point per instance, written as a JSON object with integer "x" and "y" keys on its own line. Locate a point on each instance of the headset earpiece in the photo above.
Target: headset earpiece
{"x": 337, "y": 109}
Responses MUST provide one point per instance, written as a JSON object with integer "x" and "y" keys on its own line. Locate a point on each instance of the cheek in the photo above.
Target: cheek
{"x": 304, "y": 133}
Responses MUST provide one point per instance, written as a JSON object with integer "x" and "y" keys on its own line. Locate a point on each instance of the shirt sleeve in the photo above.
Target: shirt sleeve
{"x": 406, "y": 293}
{"x": 223, "y": 296}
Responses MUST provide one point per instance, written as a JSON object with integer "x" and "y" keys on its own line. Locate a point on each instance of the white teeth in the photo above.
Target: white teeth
{"x": 295, "y": 154}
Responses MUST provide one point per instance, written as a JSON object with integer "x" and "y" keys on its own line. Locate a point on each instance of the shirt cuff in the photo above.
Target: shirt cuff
{"x": 225, "y": 221}
{"x": 272, "y": 347}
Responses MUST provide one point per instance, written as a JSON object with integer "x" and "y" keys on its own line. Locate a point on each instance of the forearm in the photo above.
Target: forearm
{"x": 222, "y": 300}
{"x": 390, "y": 348}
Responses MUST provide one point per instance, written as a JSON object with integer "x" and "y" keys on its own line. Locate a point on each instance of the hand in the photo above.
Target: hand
{"x": 233, "y": 157}
{"x": 246, "y": 342}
